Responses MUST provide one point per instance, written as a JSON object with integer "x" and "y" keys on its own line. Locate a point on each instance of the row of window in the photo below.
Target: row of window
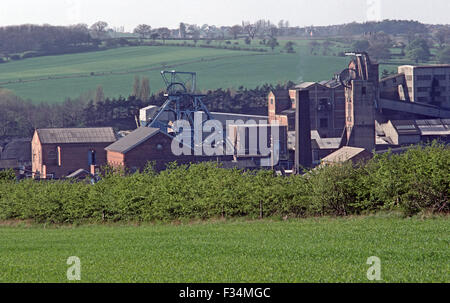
{"x": 428, "y": 77}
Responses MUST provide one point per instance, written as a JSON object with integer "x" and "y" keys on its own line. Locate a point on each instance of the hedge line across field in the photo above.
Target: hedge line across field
{"x": 416, "y": 181}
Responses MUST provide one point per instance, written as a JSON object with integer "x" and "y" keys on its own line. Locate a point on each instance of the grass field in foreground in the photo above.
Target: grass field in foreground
{"x": 309, "y": 250}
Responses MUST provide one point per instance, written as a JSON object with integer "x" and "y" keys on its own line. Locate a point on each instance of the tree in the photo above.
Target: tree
{"x": 272, "y": 32}
{"x": 154, "y": 36}
{"x": 143, "y": 30}
{"x": 99, "y": 95}
{"x": 136, "y": 87}
{"x": 99, "y": 29}
{"x": 164, "y": 32}
{"x": 327, "y": 47}
{"x": 442, "y": 37}
{"x": 379, "y": 51}
{"x": 361, "y": 45}
{"x": 235, "y": 31}
{"x": 444, "y": 55}
{"x": 313, "y": 46}
{"x": 418, "y": 50}
{"x": 289, "y": 47}
{"x": 145, "y": 89}
{"x": 182, "y": 30}
{"x": 250, "y": 29}
{"x": 273, "y": 43}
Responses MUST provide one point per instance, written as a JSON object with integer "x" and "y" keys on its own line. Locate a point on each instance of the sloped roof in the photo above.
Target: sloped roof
{"x": 344, "y": 154}
{"x": 406, "y": 127}
{"x": 133, "y": 139}
{"x": 333, "y": 83}
{"x": 77, "y": 173}
{"x": 281, "y": 94}
{"x": 433, "y": 127}
{"x": 306, "y": 85}
{"x": 19, "y": 149}
{"x": 76, "y": 135}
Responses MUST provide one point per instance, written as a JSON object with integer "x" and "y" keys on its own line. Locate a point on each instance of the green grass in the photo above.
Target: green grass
{"x": 309, "y": 250}
{"x": 216, "y": 68}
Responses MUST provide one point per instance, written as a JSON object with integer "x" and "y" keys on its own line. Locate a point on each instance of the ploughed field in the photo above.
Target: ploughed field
{"x": 303, "y": 250}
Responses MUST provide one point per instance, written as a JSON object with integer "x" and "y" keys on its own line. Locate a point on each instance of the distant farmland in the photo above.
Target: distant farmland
{"x": 54, "y": 78}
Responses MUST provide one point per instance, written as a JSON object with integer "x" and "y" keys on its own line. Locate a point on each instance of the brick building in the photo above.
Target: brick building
{"x": 141, "y": 146}
{"x": 58, "y": 152}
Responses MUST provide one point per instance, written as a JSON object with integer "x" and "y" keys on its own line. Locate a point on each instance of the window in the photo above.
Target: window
{"x": 51, "y": 157}
{"x": 425, "y": 77}
{"x": 324, "y": 123}
{"x": 271, "y": 101}
{"x": 440, "y": 77}
{"x": 91, "y": 157}
{"x": 422, "y": 99}
{"x": 364, "y": 90}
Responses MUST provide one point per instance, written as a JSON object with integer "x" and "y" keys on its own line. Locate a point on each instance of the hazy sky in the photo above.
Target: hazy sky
{"x": 169, "y": 13}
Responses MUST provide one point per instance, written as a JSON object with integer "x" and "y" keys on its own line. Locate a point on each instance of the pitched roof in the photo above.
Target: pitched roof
{"x": 19, "y": 149}
{"x": 344, "y": 154}
{"x": 406, "y": 127}
{"x": 78, "y": 173}
{"x": 133, "y": 139}
{"x": 307, "y": 85}
{"x": 281, "y": 94}
{"x": 76, "y": 135}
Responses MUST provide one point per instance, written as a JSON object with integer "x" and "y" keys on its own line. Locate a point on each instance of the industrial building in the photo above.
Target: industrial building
{"x": 142, "y": 146}
{"x": 59, "y": 152}
{"x": 429, "y": 84}
{"x": 358, "y": 110}
{"x": 343, "y": 119}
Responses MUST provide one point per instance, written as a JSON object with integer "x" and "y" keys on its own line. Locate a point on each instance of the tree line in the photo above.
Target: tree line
{"x": 19, "y": 118}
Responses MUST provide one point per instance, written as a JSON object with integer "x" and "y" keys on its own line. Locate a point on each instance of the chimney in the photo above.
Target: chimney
{"x": 303, "y": 150}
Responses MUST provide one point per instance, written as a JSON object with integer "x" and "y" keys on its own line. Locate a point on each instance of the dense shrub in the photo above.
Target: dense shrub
{"x": 418, "y": 180}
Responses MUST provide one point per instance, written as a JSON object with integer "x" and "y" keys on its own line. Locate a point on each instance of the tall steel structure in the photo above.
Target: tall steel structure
{"x": 183, "y": 103}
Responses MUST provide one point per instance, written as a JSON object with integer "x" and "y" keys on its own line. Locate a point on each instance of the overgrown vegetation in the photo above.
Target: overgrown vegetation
{"x": 413, "y": 182}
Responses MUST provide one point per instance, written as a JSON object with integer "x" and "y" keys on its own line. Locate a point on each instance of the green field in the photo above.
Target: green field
{"x": 307, "y": 250}
{"x": 115, "y": 69}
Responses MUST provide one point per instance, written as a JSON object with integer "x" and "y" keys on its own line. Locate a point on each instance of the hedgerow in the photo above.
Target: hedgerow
{"x": 415, "y": 181}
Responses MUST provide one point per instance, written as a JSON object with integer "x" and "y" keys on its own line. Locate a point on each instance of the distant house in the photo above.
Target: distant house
{"x": 58, "y": 152}
{"x": 345, "y": 154}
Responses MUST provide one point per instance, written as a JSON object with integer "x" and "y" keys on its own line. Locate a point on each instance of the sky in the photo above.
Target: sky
{"x": 169, "y": 13}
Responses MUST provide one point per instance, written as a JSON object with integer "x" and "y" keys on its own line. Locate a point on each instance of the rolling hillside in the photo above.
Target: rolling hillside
{"x": 52, "y": 79}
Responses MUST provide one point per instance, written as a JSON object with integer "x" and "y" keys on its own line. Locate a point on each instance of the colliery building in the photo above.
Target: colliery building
{"x": 59, "y": 152}
{"x": 343, "y": 119}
